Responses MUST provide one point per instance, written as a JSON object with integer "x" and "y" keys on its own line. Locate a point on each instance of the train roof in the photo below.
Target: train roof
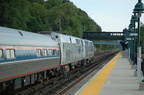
{"x": 10, "y": 36}
{"x": 65, "y": 38}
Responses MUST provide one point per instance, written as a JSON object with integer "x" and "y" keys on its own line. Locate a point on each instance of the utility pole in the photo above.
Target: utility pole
{"x": 60, "y": 28}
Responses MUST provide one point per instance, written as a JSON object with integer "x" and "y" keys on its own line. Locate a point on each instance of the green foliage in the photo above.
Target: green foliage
{"x": 38, "y": 17}
{"x": 52, "y": 3}
{"x": 49, "y": 15}
{"x": 14, "y": 13}
{"x": 105, "y": 47}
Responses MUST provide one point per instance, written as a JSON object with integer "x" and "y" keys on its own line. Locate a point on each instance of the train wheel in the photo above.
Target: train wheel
{"x": 7, "y": 88}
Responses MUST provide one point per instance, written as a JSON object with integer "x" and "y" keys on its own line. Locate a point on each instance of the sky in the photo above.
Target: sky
{"x": 111, "y": 15}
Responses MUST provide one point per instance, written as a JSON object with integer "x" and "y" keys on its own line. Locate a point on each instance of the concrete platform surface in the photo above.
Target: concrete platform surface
{"x": 121, "y": 80}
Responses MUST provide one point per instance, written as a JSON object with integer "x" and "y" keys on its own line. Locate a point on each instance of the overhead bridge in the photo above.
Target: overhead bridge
{"x": 124, "y": 37}
{"x": 103, "y": 35}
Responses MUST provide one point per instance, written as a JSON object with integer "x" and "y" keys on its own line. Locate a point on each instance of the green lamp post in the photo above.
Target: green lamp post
{"x": 131, "y": 25}
{"x": 133, "y": 20}
{"x": 139, "y": 8}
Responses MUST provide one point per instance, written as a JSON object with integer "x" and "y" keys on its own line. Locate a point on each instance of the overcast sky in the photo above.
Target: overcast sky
{"x": 111, "y": 15}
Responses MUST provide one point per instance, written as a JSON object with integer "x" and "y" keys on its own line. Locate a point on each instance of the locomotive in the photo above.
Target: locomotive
{"x": 27, "y": 58}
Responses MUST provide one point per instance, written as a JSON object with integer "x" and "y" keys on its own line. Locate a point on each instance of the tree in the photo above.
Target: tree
{"x": 53, "y": 3}
{"x": 14, "y": 13}
{"x": 38, "y": 17}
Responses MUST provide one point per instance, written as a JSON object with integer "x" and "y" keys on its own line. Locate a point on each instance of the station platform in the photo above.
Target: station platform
{"x": 116, "y": 78}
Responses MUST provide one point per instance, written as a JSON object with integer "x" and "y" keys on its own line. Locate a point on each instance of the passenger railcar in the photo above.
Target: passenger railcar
{"x": 25, "y": 58}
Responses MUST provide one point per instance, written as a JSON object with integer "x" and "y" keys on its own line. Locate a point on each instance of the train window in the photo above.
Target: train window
{"x": 1, "y": 54}
{"x": 44, "y": 52}
{"x": 50, "y": 52}
{"x": 39, "y": 52}
{"x": 91, "y": 47}
{"x": 54, "y": 51}
{"x": 77, "y": 41}
{"x": 10, "y": 54}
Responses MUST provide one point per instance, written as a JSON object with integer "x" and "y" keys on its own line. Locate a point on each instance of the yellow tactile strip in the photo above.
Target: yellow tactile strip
{"x": 95, "y": 86}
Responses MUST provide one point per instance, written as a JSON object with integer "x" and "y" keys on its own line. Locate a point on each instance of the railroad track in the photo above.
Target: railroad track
{"x": 90, "y": 70}
{"x": 56, "y": 85}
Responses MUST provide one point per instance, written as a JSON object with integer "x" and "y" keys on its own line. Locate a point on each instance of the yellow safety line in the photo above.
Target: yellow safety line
{"x": 95, "y": 86}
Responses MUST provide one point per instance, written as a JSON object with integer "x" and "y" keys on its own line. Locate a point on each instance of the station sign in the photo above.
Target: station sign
{"x": 133, "y": 34}
{"x": 128, "y": 39}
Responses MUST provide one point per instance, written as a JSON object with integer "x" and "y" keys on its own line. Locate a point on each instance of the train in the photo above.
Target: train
{"x": 27, "y": 58}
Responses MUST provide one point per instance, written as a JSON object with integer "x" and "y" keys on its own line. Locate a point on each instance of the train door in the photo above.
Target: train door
{"x": 60, "y": 53}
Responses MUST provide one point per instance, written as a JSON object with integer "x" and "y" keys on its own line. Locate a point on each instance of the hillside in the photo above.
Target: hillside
{"x": 52, "y": 15}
